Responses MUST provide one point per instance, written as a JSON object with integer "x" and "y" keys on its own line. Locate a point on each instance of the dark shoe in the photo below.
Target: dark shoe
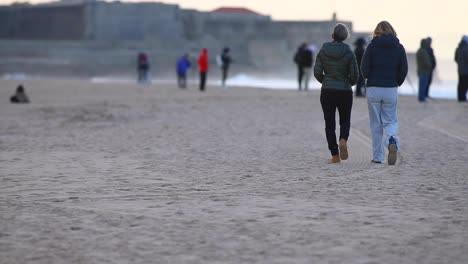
{"x": 376, "y": 161}
{"x": 392, "y": 151}
{"x": 343, "y": 149}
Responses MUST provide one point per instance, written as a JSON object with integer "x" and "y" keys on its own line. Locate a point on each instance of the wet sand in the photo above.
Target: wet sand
{"x": 121, "y": 173}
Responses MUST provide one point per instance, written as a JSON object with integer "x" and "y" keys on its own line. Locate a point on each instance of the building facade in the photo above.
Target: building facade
{"x": 80, "y": 32}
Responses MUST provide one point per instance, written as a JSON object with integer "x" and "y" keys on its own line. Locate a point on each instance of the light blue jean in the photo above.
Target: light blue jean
{"x": 382, "y": 104}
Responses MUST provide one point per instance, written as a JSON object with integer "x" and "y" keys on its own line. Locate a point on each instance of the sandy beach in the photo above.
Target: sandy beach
{"x": 121, "y": 173}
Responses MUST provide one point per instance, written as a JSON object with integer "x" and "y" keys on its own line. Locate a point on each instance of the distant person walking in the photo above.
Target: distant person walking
{"x": 307, "y": 60}
{"x": 385, "y": 67}
{"x": 143, "y": 67}
{"x": 203, "y": 68}
{"x": 424, "y": 67}
{"x": 183, "y": 64}
{"x": 430, "y": 51}
{"x": 225, "y": 63}
{"x": 359, "y": 52}
{"x": 461, "y": 57}
{"x": 20, "y": 96}
{"x": 298, "y": 59}
{"x": 337, "y": 70}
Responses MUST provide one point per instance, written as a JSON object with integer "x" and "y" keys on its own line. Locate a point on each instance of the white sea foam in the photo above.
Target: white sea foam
{"x": 446, "y": 89}
{"x": 439, "y": 89}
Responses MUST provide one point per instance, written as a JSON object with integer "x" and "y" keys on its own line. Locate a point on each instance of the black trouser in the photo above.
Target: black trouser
{"x": 428, "y": 85}
{"x": 360, "y": 87}
{"x": 225, "y": 74}
{"x": 462, "y": 87}
{"x": 300, "y": 75}
{"x": 202, "y": 81}
{"x": 332, "y": 100}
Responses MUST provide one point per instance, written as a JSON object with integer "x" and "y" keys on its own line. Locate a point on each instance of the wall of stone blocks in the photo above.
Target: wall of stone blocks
{"x": 109, "y": 35}
{"x": 135, "y": 22}
{"x": 43, "y": 22}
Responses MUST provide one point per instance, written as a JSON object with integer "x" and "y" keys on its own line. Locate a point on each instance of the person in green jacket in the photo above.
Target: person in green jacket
{"x": 337, "y": 70}
{"x": 424, "y": 64}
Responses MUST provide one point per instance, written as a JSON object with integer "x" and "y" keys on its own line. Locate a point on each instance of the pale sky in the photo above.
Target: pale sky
{"x": 445, "y": 21}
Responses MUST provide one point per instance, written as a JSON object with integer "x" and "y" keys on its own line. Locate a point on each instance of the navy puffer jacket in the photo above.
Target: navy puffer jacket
{"x": 384, "y": 63}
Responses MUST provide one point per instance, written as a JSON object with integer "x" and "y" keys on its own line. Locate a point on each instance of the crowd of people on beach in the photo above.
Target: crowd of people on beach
{"x": 376, "y": 68}
{"x": 183, "y": 64}
{"x": 304, "y": 59}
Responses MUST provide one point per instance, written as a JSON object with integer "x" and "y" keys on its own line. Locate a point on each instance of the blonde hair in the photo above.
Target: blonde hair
{"x": 384, "y": 28}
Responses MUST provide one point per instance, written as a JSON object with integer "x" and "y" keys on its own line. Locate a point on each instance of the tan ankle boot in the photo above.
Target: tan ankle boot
{"x": 335, "y": 159}
{"x": 343, "y": 149}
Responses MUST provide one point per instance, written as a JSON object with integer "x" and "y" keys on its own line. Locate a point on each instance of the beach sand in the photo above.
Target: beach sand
{"x": 121, "y": 173}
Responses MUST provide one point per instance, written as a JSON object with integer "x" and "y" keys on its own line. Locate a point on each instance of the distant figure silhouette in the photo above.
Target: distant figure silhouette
{"x": 143, "y": 68}
{"x": 20, "y": 96}
{"x": 307, "y": 60}
{"x": 183, "y": 64}
{"x": 461, "y": 57}
{"x": 225, "y": 62}
{"x": 359, "y": 52}
{"x": 430, "y": 51}
{"x": 424, "y": 66}
{"x": 203, "y": 68}
{"x": 299, "y": 60}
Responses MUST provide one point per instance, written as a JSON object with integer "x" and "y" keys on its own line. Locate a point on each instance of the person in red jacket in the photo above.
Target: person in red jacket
{"x": 203, "y": 66}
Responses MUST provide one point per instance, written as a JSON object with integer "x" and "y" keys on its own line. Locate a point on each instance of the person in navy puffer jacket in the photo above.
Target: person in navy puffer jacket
{"x": 384, "y": 66}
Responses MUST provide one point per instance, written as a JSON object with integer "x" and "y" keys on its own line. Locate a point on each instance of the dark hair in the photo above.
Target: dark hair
{"x": 20, "y": 89}
{"x": 360, "y": 42}
{"x": 340, "y": 32}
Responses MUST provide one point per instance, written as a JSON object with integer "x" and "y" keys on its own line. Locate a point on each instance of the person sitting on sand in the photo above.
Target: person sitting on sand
{"x": 20, "y": 96}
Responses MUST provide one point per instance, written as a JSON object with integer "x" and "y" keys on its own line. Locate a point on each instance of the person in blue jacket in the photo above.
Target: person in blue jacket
{"x": 384, "y": 66}
{"x": 183, "y": 64}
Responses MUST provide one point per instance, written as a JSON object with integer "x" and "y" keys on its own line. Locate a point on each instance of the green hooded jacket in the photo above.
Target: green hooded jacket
{"x": 423, "y": 60}
{"x": 336, "y": 67}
